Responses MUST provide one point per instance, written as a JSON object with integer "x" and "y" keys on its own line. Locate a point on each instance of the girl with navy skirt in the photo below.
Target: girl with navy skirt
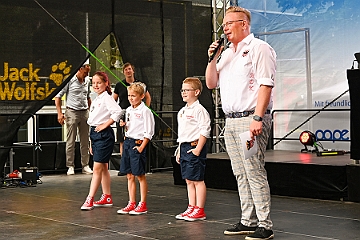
{"x": 104, "y": 111}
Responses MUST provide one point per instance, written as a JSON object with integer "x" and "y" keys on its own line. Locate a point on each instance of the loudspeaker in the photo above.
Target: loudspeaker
{"x": 23, "y": 154}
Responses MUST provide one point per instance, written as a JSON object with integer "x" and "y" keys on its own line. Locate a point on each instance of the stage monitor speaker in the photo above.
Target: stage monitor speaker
{"x": 353, "y": 76}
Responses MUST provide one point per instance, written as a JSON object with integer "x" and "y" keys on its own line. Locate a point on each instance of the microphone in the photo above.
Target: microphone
{"x": 220, "y": 41}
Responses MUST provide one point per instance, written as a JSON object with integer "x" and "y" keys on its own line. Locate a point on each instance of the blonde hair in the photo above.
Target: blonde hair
{"x": 137, "y": 87}
{"x": 194, "y": 82}
{"x": 240, "y": 9}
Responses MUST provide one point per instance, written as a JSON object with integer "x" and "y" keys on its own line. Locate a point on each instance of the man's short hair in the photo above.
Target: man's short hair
{"x": 240, "y": 9}
{"x": 127, "y": 65}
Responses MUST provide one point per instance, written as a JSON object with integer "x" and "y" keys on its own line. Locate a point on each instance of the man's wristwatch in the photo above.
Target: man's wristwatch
{"x": 257, "y": 118}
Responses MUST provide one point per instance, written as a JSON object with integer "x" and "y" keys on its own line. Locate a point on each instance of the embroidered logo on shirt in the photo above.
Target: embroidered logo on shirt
{"x": 245, "y": 53}
{"x": 251, "y": 81}
{"x": 137, "y": 115}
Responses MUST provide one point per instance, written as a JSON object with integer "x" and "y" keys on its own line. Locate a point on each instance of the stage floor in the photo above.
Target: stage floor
{"x": 52, "y": 211}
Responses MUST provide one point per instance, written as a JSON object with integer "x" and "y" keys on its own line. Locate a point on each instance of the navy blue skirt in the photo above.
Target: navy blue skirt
{"x": 102, "y": 144}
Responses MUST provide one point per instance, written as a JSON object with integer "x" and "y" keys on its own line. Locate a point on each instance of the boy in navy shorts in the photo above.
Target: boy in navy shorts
{"x": 139, "y": 129}
{"x": 193, "y": 130}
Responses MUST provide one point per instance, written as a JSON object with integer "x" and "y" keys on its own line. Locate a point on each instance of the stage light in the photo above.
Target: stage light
{"x": 307, "y": 138}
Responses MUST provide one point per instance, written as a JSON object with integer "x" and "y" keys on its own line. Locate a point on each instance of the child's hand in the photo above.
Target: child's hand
{"x": 178, "y": 158}
{"x": 195, "y": 151}
{"x": 100, "y": 128}
{"x": 90, "y": 150}
{"x": 122, "y": 123}
{"x": 138, "y": 148}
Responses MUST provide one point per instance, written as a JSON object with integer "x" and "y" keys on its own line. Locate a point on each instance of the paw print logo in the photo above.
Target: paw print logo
{"x": 59, "y": 72}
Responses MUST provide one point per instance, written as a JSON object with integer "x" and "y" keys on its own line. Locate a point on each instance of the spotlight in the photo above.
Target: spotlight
{"x": 307, "y": 138}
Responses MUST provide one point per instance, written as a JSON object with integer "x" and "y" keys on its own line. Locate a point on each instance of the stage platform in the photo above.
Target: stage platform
{"x": 51, "y": 211}
{"x": 292, "y": 174}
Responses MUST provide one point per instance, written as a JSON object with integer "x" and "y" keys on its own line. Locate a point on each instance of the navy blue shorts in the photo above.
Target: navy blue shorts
{"x": 132, "y": 161}
{"x": 102, "y": 144}
{"x": 192, "y": 167}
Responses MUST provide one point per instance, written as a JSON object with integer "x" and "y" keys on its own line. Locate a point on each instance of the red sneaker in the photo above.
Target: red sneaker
{"x": 88, "y": 204}
{"x": 197, "y": 214}
{"x": 131, "y": 206}
{"x": 105, "y": 201}
{"x": 182, "y": 216}
{"x": 140, "y": 209}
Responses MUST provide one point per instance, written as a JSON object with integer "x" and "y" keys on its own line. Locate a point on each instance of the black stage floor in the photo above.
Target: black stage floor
{"x": 51, "y": 210}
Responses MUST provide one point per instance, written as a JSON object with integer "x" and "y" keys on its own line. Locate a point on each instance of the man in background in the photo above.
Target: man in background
{"x": 78, "y": 101}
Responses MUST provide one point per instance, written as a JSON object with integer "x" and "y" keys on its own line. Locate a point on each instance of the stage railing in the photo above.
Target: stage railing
{"x": 271, "y": 143}
{"x": 163, "y": 144}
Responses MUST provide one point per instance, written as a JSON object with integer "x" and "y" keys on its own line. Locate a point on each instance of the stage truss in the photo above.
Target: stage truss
{"x": 218, "y": 12}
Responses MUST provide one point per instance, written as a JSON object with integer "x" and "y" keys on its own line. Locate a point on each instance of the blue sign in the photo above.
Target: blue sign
{"x": 335, "y": 135}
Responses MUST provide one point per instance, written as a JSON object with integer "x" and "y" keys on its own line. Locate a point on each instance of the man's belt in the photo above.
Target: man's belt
{"x": 242, "y": 114}
{"x": 136, "y": 141}
{"x": 194, "y": 143}
{"x": 76, "y": 109}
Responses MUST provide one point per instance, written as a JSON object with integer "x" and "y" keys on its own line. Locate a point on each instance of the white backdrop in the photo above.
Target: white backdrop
{"x": 334, "y": 38}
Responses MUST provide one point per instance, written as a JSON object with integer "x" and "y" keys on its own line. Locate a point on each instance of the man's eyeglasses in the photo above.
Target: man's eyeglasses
{"x": 186, "y": 90}
{"x": 229, "y": 23}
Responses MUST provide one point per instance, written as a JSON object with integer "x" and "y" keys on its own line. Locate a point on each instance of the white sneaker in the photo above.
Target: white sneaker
{"x": 70, "y": 171}
{"x": 87, "y": 170}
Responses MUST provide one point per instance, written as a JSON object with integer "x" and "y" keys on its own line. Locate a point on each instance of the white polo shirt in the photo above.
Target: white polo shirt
{"x": 102, "y": 108}
{"x": 140, "y": 122}
{"x": 193, "y": 121}
{"x": 242, "y": 72}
